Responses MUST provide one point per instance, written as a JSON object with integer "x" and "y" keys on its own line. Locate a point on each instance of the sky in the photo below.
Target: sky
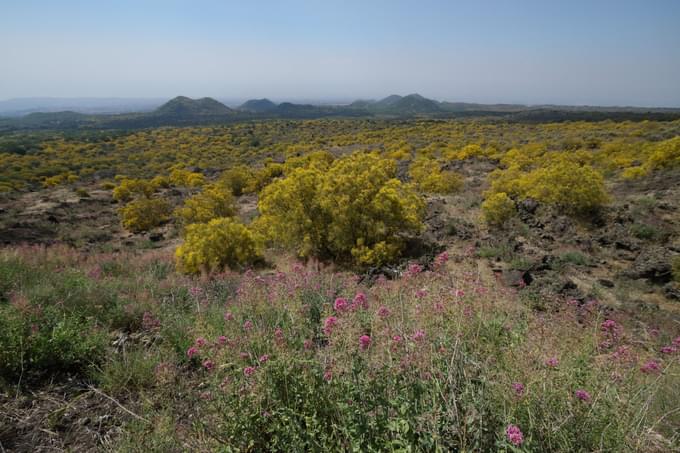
{"x": 595, "y": 52}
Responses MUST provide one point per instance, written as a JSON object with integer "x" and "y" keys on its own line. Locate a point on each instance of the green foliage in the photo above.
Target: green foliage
{"x": 644, "y": 231}
{"x": 210, "y": 247}
{"x": 428, "y": 176}
{"x": 213, "y": 201}
{"x": 498, "y": 208}
{"x": 676, "y": 269}
{"x": 58, "y": 345}
{"x": 238, "y": 179}
{"x": 144, "y": 214}
{"x": 355, "y": 212}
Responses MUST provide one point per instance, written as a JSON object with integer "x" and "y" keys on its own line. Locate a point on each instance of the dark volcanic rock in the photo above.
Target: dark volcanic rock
{"x": 653, "y": 263}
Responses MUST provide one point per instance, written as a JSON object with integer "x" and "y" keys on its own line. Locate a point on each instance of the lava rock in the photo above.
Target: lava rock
{"x": 653, "y": 263}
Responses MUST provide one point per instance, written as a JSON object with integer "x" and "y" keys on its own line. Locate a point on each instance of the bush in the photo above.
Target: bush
{"x": 573, "y": 187}
{"x": 210, "y": 247}
{"x": 57, "y": 343}
{"x": 498, "y": 208}
{"x": 144, "y": 214}
{"x": 238, "y": 179}
{"x": 213, "y": 202}
{"x": 130, "y": 188}
{"x": 559, "y": 180}
{"x": 185, "y": 178}
{"x": 264, "y": 176}
{"x": 427, "y": 175}
{"x": 634, "y": 173}
{"x": 355, "y": 212}
{"x": 665, "y": 154}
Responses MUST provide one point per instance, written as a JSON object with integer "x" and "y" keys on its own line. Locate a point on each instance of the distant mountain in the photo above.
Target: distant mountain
{"x": 183, "y": 111}
{"x": 258, "y": 106}
{"x": 24, "y": 106}
{"x": 413, "y": 104}
{"x": 472, "y": 107}
{"x": 389, "y": 101}
{"x": 185, "y": 107}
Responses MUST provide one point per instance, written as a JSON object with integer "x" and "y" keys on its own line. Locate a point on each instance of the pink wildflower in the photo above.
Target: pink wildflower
{"x": 514, "y": 435}
{"x": 676, "y": 342}
{"x": 364, "y": 342}
{"x": 396, "y": 338}
{"x": 308, "y": 344}
{"x": 518, "y": 387}
{"x": 208, "y": 364}
{"x": 200, "y": 342}
{"x": 228, "y": 316}
{"x": 192, "y": 351}
{"x": 278, "y": 336}
{"x": 582, "y": 395}
{"x": 441, "y": 259}
{"x": 264, "y": 358}
{"x": 383, "y": 312}
{"x": 669, "y": 349}
{"x": 329, "y": 324}
{"x": 421, "y": 293}
{"x": 552, "y": 362}
{"x": 360, "y": 301}
{"x": 221, "y": 340}
{"x": 248, "y": 325}
{"x": 150, "y": 322}
{"x": 413, "y": 270}
{"x": 249, "y": 371}
{"x": 459, "y": 293}
{"x": 419, "y": 335}
{"x": 608, "y": 325}
{"x": 340, "y": 304}
{"x": 651, "y": 367}
{"x": 327, "y": 375}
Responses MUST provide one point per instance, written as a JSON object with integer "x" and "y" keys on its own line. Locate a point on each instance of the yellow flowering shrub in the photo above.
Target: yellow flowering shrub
{"x": 568, "y": 185}
{"x": 498, "y": 208}
{"x": 216, "y": 245}
{"x": 264, "y": 176}
{"x": 634, "y": 173}
{"x": 144, "y": 214}
{"x": 428, "y": 176}
{"x": 557, "y": 179}
{"x": 665, "y": 154}
{"x": 238, "y": 179}
{"x": 213, "y": 201}
{"x": 321, "y": 160}
{"x": 185, "y": 178}
{"x": 355, "y": 212}
{"x": 130, "y": 188}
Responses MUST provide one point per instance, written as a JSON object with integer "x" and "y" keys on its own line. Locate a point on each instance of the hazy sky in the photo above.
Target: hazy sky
{"x": 572, "y": 52}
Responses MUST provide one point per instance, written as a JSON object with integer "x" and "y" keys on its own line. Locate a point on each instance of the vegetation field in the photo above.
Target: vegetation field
{"x": 342, "y": 284}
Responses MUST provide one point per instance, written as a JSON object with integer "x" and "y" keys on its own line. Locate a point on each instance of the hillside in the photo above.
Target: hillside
{"x": 182, "y": 106}
{"x": 258, "y": 106}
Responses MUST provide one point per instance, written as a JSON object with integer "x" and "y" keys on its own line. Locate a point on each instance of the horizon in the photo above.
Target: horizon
{"x": 609, "y": 54}
{"x": 236, "y": 102}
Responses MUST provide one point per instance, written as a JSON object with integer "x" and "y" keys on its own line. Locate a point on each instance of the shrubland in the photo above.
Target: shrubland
{"x": 439, "y": 359}
{"x": 280, "y": 286}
